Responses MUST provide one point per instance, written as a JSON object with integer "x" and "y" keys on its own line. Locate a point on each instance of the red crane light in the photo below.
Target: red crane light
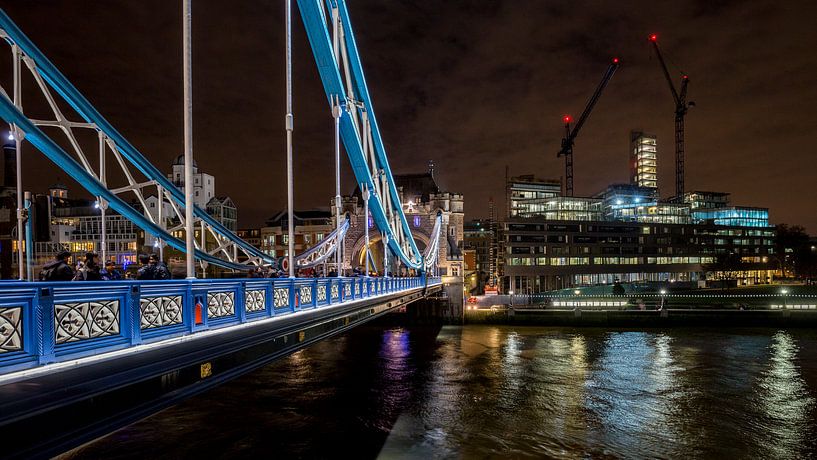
{"x": 615, "y": 60}
{"x": 567, "y": 119}
{"x": 653, "y": 37}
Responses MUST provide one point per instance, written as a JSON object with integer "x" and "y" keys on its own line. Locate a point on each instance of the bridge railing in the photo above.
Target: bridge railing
{"x": 47, "y": 322}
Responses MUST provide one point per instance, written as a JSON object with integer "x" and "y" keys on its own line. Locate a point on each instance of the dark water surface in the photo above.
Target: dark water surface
{"x": 504, "y": 392}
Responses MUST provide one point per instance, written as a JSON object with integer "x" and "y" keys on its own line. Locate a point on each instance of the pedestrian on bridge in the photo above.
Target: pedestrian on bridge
{"x": 110, "y": 273}
{"x": 88, "y": 270}
{"x": 58, "y": 269}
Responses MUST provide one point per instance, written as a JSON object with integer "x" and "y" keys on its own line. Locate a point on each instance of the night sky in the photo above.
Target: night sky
{"x": 473, "y": 85}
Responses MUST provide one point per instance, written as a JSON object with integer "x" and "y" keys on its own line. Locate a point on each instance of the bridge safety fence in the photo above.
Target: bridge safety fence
{"x": 48, "y": 322}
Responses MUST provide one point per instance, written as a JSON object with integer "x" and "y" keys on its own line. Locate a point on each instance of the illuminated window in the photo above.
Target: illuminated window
{"x": 416, "y": 221}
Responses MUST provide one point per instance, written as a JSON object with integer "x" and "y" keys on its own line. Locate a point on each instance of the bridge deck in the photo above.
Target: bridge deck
{"x": 52, "y": 407}
{"x": 47, "y": 323}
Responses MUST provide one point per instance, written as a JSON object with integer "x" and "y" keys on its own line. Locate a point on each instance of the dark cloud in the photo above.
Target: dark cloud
{"x": 474, "y": 85}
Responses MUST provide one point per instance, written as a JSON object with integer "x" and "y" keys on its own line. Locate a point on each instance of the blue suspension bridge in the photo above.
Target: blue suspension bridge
{"x": 151, "y": 343}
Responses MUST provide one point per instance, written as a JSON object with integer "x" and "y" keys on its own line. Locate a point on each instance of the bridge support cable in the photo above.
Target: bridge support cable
{"x": 317, "y": 254}
{"x": 336, "y": 112}
{"x": 432, "y": 251}
{"x": 364, "y": 191}
{"x": 132, "y": 163}
{"x": 336, "y": 55}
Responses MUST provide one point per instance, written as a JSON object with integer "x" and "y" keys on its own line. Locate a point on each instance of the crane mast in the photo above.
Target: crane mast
{"x": 570, "y": 134}
{"x": 681, "y": 108}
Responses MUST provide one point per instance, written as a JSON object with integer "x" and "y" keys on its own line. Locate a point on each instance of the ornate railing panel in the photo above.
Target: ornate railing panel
{"x": 305, "y": 294}
{"x": 41, "y": 322}
{"x": 11, "y": 329}
{"x": 85, "y": 320}
{"x": 255, "y": 300}
{"x": 220, "y": 304}
{"x": 280, "y": 297}
{"x": 160, "y": 311}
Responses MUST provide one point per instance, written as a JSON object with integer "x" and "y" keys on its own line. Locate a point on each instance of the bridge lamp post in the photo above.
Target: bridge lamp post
{"x": 366, "y": 195}
{"x": 784, "y": 292}
{"x": 336, "y": 113}
{"x": 17, "y": 135}
{"x": 102, "y": 204}
{"x": 29, "y": 239}
{"x": 188, "y": 140}
{"x": 290, "y": 127}
{"x": 385, "y": 255}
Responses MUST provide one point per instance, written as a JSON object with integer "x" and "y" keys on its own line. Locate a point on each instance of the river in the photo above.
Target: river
{"x": 504, "y": 392}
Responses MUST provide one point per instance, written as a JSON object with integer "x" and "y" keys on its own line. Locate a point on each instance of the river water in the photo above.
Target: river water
{"x": 504, "y": 392}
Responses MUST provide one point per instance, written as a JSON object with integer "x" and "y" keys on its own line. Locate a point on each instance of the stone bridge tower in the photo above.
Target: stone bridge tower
{"x": 422, "y": 199}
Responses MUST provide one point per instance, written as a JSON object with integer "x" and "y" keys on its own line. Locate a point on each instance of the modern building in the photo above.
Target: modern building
{"x": 478, "y": 238}
{"x": 627, "y": 233}
{"x": 63, "y": 223}
{"x": 526, "y": 195}
{"x": 643, "y": 159}
{"x": 542, "y": 255}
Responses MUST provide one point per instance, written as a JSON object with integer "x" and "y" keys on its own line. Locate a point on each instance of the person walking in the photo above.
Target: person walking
{"x": 160, "y": 271}
{"x": 58, "y": 269}
{"x": 88, "y": 270}
{"x": 110, "y": 273}
{"x": 146, "y": 271}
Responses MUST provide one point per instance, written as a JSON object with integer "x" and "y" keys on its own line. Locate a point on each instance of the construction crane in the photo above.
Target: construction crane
{"x": 570, "y": 135}
{"x": 681, "y": 107}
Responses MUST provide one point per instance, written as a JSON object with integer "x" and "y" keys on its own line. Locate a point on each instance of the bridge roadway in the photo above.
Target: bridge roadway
{"x": 117, "y": 352}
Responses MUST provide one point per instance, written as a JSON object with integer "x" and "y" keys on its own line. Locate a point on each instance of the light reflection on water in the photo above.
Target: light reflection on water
{"x": 501, "y": 392}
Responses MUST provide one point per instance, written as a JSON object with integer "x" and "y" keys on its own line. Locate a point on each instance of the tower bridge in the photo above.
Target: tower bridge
{"x": 78, "y": 360}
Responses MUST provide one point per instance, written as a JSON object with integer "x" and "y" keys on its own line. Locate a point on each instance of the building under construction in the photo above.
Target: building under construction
{"x": 627, "y": 233}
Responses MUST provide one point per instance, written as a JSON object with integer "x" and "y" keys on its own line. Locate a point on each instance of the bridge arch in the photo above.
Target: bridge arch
{"x": 376, "y": 247}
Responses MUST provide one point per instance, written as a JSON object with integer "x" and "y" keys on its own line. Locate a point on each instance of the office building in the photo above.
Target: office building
{"x": 643, "y": 159}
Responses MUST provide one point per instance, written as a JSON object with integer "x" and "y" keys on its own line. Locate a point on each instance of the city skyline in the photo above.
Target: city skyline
{"x": 472, "y": 106}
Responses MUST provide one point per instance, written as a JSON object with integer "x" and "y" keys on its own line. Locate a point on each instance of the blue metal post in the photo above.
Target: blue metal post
{"x": 134, "y": 309}
{"x": 44, "y": 324}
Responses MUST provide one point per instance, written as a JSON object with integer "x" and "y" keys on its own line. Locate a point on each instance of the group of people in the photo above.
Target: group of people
{"x": 265, "y": 272}
{"x": 312, "y": 272}
{"x": 88, "y": 269}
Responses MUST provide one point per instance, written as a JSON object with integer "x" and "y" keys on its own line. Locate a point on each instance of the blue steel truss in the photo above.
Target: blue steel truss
{"x": 343, "y": 81}
{"x": 24, "y": 50}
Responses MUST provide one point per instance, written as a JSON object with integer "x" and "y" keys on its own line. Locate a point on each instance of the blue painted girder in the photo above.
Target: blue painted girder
{"x": 320, "y": 40}
{"x": 83, "y": 107}
{"x": 64, "y": 161}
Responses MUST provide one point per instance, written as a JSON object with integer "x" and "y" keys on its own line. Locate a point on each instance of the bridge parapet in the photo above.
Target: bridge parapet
{"x": 49, "y": 322}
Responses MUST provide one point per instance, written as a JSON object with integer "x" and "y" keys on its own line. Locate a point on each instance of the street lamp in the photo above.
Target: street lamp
{"x": 783, "y": 292}
{"x": 663, "y": 292}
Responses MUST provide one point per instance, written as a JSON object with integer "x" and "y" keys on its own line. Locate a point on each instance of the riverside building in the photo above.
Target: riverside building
{"x": 627, "y": 233}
